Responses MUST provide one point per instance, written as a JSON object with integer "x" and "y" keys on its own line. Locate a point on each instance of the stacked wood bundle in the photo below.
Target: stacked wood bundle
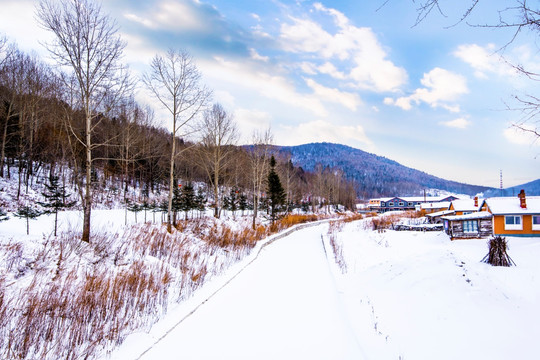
{"x": 497, "y": 255}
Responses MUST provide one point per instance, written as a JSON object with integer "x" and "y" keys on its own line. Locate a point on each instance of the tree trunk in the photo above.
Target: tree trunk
{"x": 255, "y": 207}
{"x": 171, "y": 180}
{"x": 216, "y": 194}
{"x": 87, "y": 206}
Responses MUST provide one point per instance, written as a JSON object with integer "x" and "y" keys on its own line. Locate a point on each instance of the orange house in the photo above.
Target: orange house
{"x": 514, "y": 216}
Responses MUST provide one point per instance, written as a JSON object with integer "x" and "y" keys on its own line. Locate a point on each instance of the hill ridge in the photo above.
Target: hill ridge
{"x": 374, "y": 175}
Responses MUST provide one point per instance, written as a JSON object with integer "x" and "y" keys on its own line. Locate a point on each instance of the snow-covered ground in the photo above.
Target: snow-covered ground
{"x": 404, "y": 295}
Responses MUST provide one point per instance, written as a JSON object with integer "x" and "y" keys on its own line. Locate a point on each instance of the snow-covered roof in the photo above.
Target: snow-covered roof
{"x": 414, "y": 198}
{"x": 440, "y": 213}
{"x": 465, "y": 205}
{"x": 435, "y": 205}
{"x": 511, "y": 205}
{"x": 471, "y": 216}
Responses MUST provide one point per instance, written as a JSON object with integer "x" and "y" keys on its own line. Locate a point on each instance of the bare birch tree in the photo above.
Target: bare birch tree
{"x": 219, "y": 134}
{"x": 174, "y": 80}
{"x": 259, "y": 156}
{"x": 87, "y": 45}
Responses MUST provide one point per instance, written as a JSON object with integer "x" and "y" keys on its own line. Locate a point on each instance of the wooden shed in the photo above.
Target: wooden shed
{"x": 470, "y": 226}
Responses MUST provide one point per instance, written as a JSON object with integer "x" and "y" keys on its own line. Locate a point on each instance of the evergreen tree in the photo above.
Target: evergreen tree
{"x": 146, "y": 206}
{"x": 134, "y": 208}
{"x": 176, "y": 204}
{"x": 242, "y": 203}
{"x": 276, "y": 193}
{"x": 55, "y": 196}
{"x": 3, "y": 215}
{"x": 232, "y": 200}
{"x": 187, "y": 198}
{"x": 28, "y": 213}
{"x": 200, "y": 201}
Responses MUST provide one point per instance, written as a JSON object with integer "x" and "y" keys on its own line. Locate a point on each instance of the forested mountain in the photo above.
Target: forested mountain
{"x": 531, "y": 188}
{"x": 374, "y": 175}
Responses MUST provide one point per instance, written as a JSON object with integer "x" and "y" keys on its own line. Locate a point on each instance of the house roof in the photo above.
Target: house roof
{"x": 440, "y": 213}
{"x": 435, "y": 205}
{"x": 471, "y": 216}
{"x": 511, "y": 205}
{"x": 420, "y": 199}
{"x": 465, "y": 205}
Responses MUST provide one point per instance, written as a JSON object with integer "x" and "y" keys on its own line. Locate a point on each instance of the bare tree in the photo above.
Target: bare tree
{"x": 87, "y": 45}
{"x": 259, "y": 155}
{"x": 175, "y": 81}
{"x": 219, "y": 134}
{"x": 12, "y": 79}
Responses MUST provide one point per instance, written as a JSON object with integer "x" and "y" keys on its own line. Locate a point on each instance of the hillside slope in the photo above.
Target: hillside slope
{"x": 374, "y": 175}
{"x": 531, "y": 188}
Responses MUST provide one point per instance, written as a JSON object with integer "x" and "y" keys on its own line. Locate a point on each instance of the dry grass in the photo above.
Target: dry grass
{"x": 337, "y": 247}
{"x": 81, "y": 300}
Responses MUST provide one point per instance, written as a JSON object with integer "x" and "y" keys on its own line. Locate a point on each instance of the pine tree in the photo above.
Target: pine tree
{"x": 134, "y": 208}
{"x": 28, "y": 213}
{"x": 176, "y": 204}
{"x": 187, "y": 198}
{"x": 3, "y": 215}
{"x": 55, "y": 196}
{"x": 242, "y": 203}
{"x": 200, "y": 201}
{"x": 276, "y": 193}
{"x": 232, "y": 200}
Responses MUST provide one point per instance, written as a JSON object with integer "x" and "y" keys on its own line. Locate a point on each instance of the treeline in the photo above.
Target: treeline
{"x": 43, "y": 125}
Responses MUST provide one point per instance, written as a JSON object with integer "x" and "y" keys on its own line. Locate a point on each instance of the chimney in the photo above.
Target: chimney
{"x": 522, "y": 201}
{"x": 476, "y": 201}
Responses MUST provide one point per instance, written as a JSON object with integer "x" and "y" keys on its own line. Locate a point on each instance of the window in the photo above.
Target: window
{"x": 401, "y": 203}
{"x": 410, "y": 204}
{"x": 513, "y": 222}
{"x": 390, "y": 204}
{"x": 536, "y": 222}
{"x": 470, "y": 226}
{"x": 382, "y": 203}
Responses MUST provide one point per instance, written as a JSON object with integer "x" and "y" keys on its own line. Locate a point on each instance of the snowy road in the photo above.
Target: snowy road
{"x": 283, "y": 306}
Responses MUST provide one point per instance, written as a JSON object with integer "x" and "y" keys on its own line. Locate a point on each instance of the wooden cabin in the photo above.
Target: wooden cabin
{"x": 469, "y": 226}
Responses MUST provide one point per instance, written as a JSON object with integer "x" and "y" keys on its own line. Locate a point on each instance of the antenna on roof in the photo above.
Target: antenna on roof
{"x": 501, "y": 183}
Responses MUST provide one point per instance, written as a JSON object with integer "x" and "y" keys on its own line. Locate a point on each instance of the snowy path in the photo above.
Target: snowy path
{"x": 283, "y": 306}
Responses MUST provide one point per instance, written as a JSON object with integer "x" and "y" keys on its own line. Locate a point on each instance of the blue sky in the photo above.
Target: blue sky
{"x": 431, "y": 96}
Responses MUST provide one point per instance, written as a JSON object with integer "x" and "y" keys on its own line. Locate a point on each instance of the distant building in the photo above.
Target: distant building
{"x": 406, "y": 203}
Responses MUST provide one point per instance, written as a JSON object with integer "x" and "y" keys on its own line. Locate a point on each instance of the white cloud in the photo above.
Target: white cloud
{"x": 18, "y": 23}
{"x": 330, "y": 69}
{"x": 484, "y": 59}
{"x": 262, "y": 81}
{"x": 440, "y": 87}
{"x": 369, "y": 66}
{"x": 143, "y": 21}
{"x": 459, "y": 123}
{"x": 256, "y": 56}
{"x": 249, "y": 121}
{"x": 523, "y": 136}
{"x": 324, "y": 131}
{"x": 349, "y": 100}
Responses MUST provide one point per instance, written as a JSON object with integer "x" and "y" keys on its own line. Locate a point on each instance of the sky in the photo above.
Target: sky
{"x": 432, "y": 96}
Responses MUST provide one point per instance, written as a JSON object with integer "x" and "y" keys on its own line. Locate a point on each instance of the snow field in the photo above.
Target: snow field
{"x": 420, "y": 296}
